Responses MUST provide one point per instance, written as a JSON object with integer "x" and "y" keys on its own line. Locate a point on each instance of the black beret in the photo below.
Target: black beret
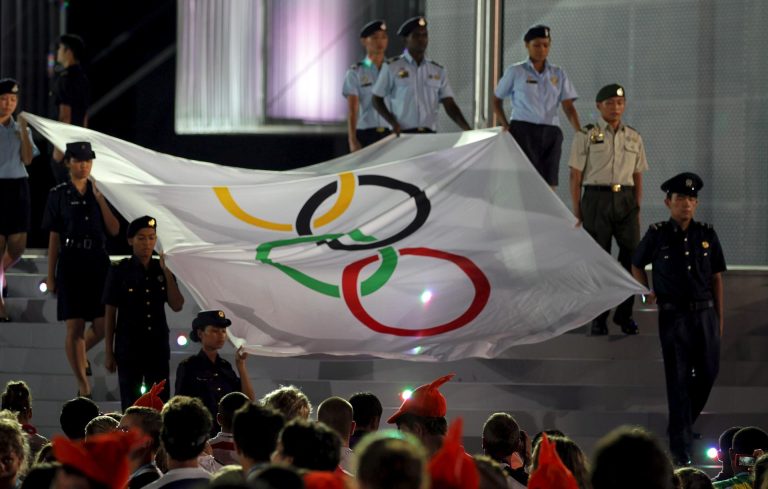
{"x": 138, "y": 224}
{"x": 9, "y": 85}
{"x": 212, "y": 317}
{"x": 373, "y": 27}
{"x": 608, "y": 91}
{"x": 410, "y": 24}
{"x": 685, "y": 183}
{"x": 80, "y": 151}
{"x": 536, "y": 31}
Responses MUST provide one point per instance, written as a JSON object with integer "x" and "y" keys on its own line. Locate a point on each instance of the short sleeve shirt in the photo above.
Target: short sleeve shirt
{"x": 209, "y": 381}
{"x": 535, "y": 97}
{"x": 359, "y": 82}
{"x": 73, "y": 215}
{"x": 414, "y": 90}
{"x": 607, "y": 156}
{"x": 72, "y": 89}
{"x": 11, "y": 165}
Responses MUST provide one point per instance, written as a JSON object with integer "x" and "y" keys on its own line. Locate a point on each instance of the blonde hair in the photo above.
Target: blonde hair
{"x": 12, "y": 438}
{"x": 289, "y": 401}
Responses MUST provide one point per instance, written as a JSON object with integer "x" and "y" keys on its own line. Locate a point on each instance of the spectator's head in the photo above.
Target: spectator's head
{"x": 630, "y": 458}
{"x": 571, "y": 456}
{"x": 491, "y": 473}
{"x": 255, "y": 429}
{"x": 423, "y": 414}
{"x": 18, "y": 399}
{"x": 526, "y": 448}
{"x": 75, "y": 416}
{"x": 229, "y": 476}
{"x": 40, "y": 475}
{"x": 100, "y": 425}
{"x": 693, "y": 478}
{"x": 99, "y": 462}
{"x": 227, "y": 407}
{"x": 308, "y": 445}
{"x": 14, "y": 449}
{"x": 148, "y": 422}
{"x": 278, "y": 477}
{"x": 745, "y": 442}
{"x": 290, "y": 401}
{"x": 501, "y": 436}
{"x": 366, "y": 411}
{"x": 761, "y": 471}
{"x": 402, "y": 455}
{"x": 71, "y": 49}
{"x": 45, "y": 455}
{"x": 550, "y": 472}
{"x": 336, "y": 413}
{"x": 186, "y": 425}
{"x": 550, "y": 433}
{"x": 724, "y": 449}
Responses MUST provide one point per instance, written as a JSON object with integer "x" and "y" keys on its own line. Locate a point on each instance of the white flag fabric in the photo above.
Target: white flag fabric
{"x": 422, "y": 247}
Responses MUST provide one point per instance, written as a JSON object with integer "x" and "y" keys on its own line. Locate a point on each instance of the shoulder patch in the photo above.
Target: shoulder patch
{"x": 436, "y": 64}
{"x": 706, "y": 225}
{"x": 58, "y": 187}
{"x": 355, "y": 66}
{"x": 394, "y": 58}
{"x": 587, "y": 128}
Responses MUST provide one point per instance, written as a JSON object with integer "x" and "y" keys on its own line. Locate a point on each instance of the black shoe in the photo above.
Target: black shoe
{"x": 598, "y": 328}
{"x": 629, "y": 327}
{"x": 88, "y": 371}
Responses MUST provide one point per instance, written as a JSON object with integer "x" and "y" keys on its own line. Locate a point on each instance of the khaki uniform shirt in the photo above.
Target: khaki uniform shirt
{"x": 607, "y": 157}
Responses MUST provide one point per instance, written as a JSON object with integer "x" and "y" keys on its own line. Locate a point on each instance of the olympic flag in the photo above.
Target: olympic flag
{"x": 423, "y": 247}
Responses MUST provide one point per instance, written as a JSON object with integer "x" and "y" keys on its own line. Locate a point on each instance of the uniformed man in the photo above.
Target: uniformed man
{"x": 135, "y": 327}
{"x": 608, "y": 159}
{"x": 365, "y": 126}
{"x": 536, "y": 90}
{"x": 415, "y": 86}
{"x": 688, "y": 265}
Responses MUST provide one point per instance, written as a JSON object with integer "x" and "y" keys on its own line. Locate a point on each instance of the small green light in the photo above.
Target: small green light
{"x": 143, "y": 389}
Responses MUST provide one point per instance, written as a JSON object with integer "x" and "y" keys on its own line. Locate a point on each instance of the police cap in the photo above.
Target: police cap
{"x": 211, "y": 317}
{"x": 685, "y": 183}
{"x": 410, "y": 24}
{"x": 608, "y": 91}
{"x": 9, "y": 85}
{"x": 138, "y": 224}
{"x": 537, "y": 31}
{"x": 373, "y": 27}
{"x": 80, "y": 151}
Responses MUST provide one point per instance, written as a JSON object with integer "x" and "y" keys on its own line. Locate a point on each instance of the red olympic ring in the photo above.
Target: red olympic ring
{"x": 479, "y": 280}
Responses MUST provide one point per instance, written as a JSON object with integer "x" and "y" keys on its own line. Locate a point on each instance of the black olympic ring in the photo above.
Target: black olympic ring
{"x": 423, "y": 208}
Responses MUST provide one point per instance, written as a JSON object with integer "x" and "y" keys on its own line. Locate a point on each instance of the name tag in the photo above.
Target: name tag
{"x": 531, "y": 81}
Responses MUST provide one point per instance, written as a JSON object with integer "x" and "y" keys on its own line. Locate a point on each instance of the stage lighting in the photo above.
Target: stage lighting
{"x": 426, "y": 296}
{"x": 406, "y": 394}
{"x": 42, "y": 286}
{"x": 712, "y": 453}
{"x": 181, "y": 340}
{"x": 143, "y": 388}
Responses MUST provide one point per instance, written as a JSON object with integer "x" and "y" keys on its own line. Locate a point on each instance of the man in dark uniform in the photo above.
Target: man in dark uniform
{"x": 608, "y": 160}
{"x": 688, "y": 264}
{"x": 135, "y": 328}
{"x": 71, "y": 93}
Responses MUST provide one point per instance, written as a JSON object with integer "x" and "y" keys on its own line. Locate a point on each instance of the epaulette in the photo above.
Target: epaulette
{"x": 658, "y": 225}
{"x": 394, "y": 58}
{"x": 356, "y": 65}
{"x": 57, "y": 187}
{"x": 436, "y": 64}
{"x": 630, "y": 127}
{"x": 705, "y": 225}
{"x": 587, "y": 128}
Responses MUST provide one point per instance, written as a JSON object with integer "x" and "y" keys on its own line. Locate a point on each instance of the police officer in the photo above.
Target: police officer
{"x": 206, "y": 375}
{"x": 415, "y": 86}
{"x": 536, "y": 90}
{"x": 608, "y": 158}
{"x": 365, "y": 126}
{"x": 16, "y": 152}
{"x": 688, "y": 264}
{"x": 135, "y": 328}
{"x": 78, "y": 219}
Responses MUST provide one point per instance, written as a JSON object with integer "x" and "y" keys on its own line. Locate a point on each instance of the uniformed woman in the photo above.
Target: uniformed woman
{"x": 536, "y": 90}
{"x": 206, "y": 375}
{"x": 16, "y": 151}
{"x": 136, "y": 331}
{"x": 78, "y": 218}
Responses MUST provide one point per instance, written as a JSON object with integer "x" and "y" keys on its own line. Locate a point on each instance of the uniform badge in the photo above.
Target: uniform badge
{"x": 151, "y": 223}
{"x": 705, "y": 244}
{"x": 596, "y": 136}
{"x": 364, "y": 79}
{"x": 554, "y": 80}
{"x": 436, "y": 76}
{"x": 402, "y": 73}
{"x": 221, "y": 314}
{"x": 531, "y": 81}
{"x": 688, "y": 182}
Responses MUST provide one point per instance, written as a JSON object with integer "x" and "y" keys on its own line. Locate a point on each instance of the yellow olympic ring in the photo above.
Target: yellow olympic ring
{"x": 347, "y": 190}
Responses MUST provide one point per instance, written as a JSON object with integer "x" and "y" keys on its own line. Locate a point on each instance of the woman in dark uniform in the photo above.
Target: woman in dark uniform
{"x": 16, "y": 152}
{"x": 136, "y": 331}
{"x": 206, "y": 375}
{"x": 78, "y": 218}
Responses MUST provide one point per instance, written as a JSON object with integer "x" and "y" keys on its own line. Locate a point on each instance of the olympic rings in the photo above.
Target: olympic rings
{"x": 476, "y": 276}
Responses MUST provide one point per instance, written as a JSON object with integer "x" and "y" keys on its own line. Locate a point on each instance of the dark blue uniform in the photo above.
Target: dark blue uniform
{"x": 83, "y": 261}
{"x": 684, "y": 262}
{"x": 209, "y": 381}
{"x": 142, "y": 350}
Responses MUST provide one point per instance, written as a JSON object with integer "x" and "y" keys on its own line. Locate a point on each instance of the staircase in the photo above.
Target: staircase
{"x": 581, "y": 385}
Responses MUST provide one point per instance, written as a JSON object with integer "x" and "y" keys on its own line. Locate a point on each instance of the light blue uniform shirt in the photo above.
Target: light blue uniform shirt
{"x": 359, "y": 82}
{"x": 535, "y": 97}
{"x": 11, "y": 165}
{"x": 414, "y": 91}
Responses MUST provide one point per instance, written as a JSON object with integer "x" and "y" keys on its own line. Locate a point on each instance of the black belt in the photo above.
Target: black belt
{"x": 616, "y": 187}
{"x": 418, "y": 129}
{"x": 687, "y": 306}
{"x": 83, "y": 243}
{"x": 375, "y": 129}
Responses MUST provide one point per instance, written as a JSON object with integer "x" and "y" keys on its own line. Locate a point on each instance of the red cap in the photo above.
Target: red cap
{"x": 152, "y": 398}
{"x": 551, "y": 473}
{"x": 102, "y": 458}
{"x": 451, "y": 467}
{"x": 425, "y": 401}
